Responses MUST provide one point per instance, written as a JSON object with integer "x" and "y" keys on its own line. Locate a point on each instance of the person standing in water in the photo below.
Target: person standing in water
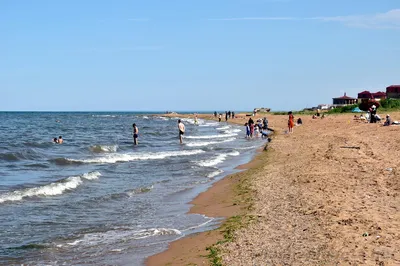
{"x": 135, "y": 134}
{"x": 181, "y": 128}
{"x": 60, "y": 140}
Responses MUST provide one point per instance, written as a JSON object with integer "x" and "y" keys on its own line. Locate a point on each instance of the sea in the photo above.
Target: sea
{"x": 97, "y": 199}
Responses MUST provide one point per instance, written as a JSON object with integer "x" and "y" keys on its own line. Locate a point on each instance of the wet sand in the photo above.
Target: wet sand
{"x": 328, "y": 194}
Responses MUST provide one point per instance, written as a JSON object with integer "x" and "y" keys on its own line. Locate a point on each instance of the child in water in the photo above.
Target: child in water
{"x": 247, "y": 130}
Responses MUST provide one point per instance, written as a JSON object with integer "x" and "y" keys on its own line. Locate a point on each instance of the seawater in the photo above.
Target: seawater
{"x": 97, "y": 199}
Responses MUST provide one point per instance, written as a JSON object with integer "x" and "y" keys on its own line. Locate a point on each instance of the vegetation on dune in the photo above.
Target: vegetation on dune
{"x": 344, "y": 109}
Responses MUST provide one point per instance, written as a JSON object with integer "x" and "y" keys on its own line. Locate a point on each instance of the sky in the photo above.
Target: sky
{"x": 205, "y": 55}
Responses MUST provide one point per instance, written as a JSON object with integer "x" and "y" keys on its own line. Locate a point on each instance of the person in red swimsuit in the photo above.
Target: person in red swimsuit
{"x": 291, "y": 122}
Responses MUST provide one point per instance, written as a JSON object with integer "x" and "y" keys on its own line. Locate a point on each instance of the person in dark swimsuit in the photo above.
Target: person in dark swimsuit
{"x": 135, "y": 134}
{"x": 181, "y": 128}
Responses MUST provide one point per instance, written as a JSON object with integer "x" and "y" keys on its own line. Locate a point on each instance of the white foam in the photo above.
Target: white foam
{"x": 209, "y": 124}
{"x": 232, "y": 131}
{"x": 127, "y": 157}
{"x": 122, "y": 235}
{"x": 212, "y": 136}
{"x": 248, "y": 148}
{"x": 104, "y": 116}
{"x": 104, "y": 148}
{"x": 223, "y": 128}
{"x": 51, "y": 189}
{"x": 198, "y": 226}
{"x": 218, "y": 159}
{"x": 206, "y": 143}
{"x": 188, "y": 120}
{"x": 145, "y": 117}
{"x": 215, "y": 173}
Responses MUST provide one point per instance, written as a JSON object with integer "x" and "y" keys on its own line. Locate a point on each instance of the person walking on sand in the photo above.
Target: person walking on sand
{"x": 135, "y": 134}
{"x": 181, "y": 128}
{"x": 291, "y": 122}
{"x": 219, "y": 117}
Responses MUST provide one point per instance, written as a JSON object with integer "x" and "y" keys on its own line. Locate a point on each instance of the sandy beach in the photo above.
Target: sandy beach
{"x": 328, "y": 194}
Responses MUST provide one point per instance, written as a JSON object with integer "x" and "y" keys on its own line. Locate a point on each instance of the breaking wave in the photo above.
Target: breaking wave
{"x": 121, "y": 235}
{"x": 212, "y": 136}
{"x": 51, "y": 189}
{"x": 206, "y": 143}
{"x": 217, "y": 160}
{"x": 215, "y": 173}
{"x": 114, "y": 158}
{"x": 103, "y": 148}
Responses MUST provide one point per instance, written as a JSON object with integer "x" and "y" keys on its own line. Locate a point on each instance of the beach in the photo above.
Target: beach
{"x": 328, "y": 194}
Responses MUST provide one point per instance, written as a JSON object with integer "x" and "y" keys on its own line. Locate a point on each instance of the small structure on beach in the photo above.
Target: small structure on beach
{"x": 344, "y": 100}
{"x": 393, "y": 91}
{"x": 262, "y": 110}
{"x": 366, "y": 95}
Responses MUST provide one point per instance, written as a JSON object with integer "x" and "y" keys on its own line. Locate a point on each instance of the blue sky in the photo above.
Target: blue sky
{"x": 194, "y": 54}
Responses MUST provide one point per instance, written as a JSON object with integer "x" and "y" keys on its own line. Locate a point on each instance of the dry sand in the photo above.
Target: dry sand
{"x": 328, "y": 194}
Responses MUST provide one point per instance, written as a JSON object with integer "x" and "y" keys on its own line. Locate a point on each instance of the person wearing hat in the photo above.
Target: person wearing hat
{"x": 388, "y": 121}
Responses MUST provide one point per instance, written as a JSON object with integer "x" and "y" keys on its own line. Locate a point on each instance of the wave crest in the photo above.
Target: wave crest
{"x": 114, "y": 158}
{"x": 52, "y": 189}
{"x": 218, "y": 159}
{"x": 213, "y": 136}
{"x": 103, "y": 148}
{"x": 206, "y": 143}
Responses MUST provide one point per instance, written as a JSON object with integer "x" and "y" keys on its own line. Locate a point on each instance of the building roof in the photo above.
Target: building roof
{"x": 379, "y": 94}
{"x": 345, "y": 97}
{"x": 394, "y": 86}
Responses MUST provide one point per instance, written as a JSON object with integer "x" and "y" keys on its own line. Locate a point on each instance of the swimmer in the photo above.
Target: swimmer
{"x": 60, "y": 140}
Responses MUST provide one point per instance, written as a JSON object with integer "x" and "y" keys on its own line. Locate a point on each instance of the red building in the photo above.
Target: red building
{"x": 393, "y": 91}
{"x": 371, "y": 95}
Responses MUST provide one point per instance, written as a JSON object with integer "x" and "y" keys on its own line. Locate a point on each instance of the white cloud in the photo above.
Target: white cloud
{"x": 257, "y": 18}
{"x": 388, "y": 20}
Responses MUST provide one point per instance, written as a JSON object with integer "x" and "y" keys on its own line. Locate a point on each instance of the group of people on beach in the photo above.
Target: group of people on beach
{"x": 228, "y": 115}
{"x": 255, "y": 129}
{"x": 59, "y": 140}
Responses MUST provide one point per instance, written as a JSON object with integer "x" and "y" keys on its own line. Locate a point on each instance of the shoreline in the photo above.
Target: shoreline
{"x": 328, "y": 194}
{"x": 221, "y": 200}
